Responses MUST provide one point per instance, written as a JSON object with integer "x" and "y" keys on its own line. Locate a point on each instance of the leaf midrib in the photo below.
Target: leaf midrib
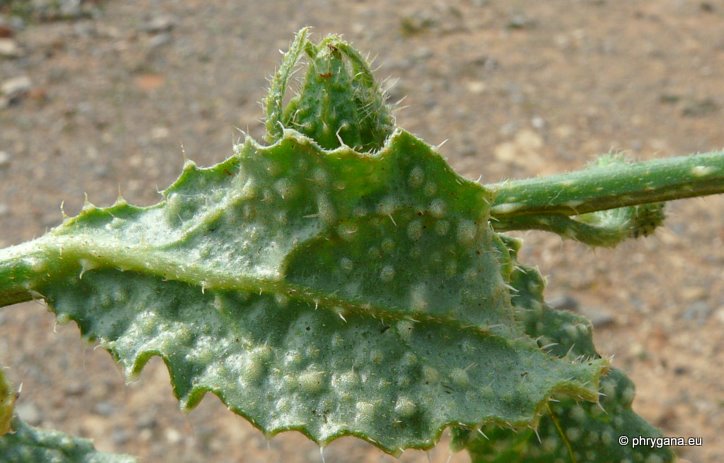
{"x": 149, "y": 261}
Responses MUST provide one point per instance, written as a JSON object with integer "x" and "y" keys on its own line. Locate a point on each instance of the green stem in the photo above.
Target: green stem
{"x": 609, "y": 187}
{"x": 542, "y": 203}
{"x": 21, "y": 269}
{"x": 567, "y": 227}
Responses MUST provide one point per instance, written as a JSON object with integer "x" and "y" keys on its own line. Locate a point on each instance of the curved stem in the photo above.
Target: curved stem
{"x": 593, "y": 235}
{"x": 609, "y": 187}
{"x": 21, "y": 268}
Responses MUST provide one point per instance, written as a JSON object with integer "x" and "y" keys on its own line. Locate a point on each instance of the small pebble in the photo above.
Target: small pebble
{"x": 9, "y": 49}
{"x": 16, "y": 88}
{"x": 698, "y": 311}
{"x": 70, "y": 8}
{"x": 680, "y": 370}
{"x": 75, "y": 388}
{"x": 28, "y": 412}
{"x": 120, "y": 436}
{"x": 700, "y": 108}
{"x": 104, "y": 408}
{"x": 145, "y": 435}
{"x": 173, "y": 436}
{"x": 519, "y": 21}
{"x": 159, "y": 24}
{"x": 6, "y": 29}
{"x": 159, "y": 40}
{"x": 147, "y": 421}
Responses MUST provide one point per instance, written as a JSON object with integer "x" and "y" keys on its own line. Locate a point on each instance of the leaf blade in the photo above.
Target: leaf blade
{"x": 287, "y": 365}
{"x": 219, "y": 278}
{"x": 29, "y": 444}
{"x": 570, "y": 430}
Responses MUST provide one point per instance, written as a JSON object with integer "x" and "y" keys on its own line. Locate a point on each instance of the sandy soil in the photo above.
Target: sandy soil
{"x": 119, "y": 91}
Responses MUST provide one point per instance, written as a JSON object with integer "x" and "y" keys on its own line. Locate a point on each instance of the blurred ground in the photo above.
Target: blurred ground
{"x": 99, "y": 97}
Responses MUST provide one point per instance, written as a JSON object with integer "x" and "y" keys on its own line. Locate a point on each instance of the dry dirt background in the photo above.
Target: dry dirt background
{"x": 109, "y": 95}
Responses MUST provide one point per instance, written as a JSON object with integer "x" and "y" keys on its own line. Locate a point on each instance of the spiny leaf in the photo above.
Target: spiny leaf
{"x": 20, "y": 443}
{"x": 570, "y": 431}
{"x": 26, "y": 444}
{"x": 330, "y": 292}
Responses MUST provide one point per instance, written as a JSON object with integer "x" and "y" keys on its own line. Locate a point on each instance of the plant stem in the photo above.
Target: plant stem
{"x": 609, "y": 187}
{"x": 21, "y": 268}
{"x": 521, "y": 204}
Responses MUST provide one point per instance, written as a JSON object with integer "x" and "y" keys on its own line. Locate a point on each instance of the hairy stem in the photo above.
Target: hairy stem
{"x": 23, "y": 268}
{"x": 565, "y": 226}
{"x": 610, "y": 187}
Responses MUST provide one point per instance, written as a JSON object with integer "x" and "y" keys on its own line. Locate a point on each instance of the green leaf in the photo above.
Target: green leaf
{"x": 20, "y": 443}
{"x": 345, "y": 281}
{"x": 571, "y": 430}
{"x": 330, "y": 292}
{"x": 26, "y": 444}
